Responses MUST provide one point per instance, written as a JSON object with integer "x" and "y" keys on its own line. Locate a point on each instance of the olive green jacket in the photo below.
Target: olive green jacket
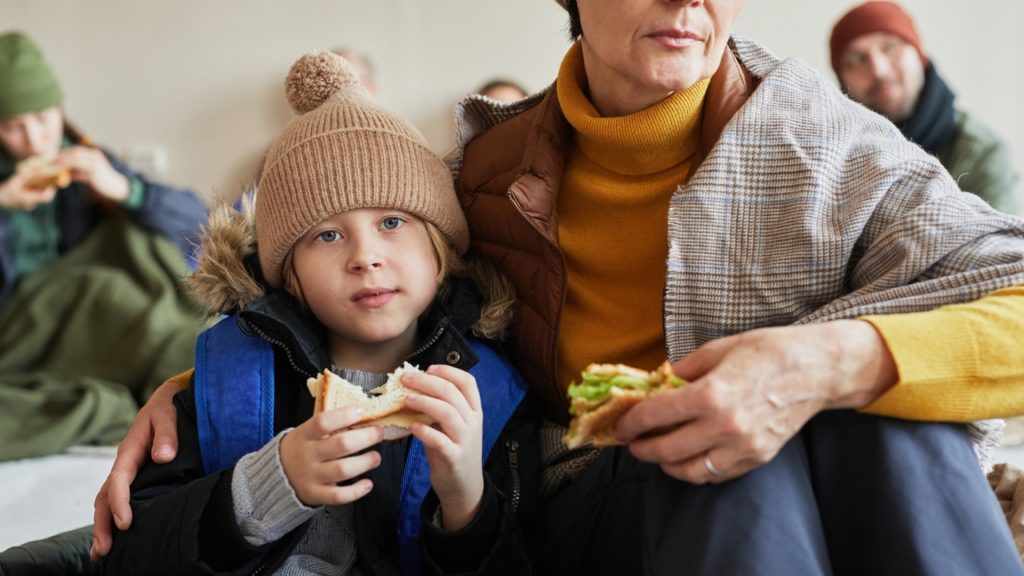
{"x": 981, "y": 163}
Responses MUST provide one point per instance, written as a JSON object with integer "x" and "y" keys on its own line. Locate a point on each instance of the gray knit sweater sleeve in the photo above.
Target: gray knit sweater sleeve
{"x": 266, "y": 507}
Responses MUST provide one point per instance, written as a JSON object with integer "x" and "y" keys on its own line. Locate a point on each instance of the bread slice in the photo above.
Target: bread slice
{"x": 384, "y": 406}
{"x": 598, "y": 425}
{"x": 45, "y": 173}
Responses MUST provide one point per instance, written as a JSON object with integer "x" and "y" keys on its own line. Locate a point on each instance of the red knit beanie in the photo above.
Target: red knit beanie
{"x": 872, "y": 17}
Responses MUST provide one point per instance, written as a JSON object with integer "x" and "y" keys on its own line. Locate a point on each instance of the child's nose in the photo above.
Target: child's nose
{"x": 365, "y": 257}
{"x": 365, "y": 265}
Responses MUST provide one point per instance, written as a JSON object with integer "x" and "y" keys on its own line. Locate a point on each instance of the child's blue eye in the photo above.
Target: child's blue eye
{"x": 391, "y": 223}
{"x": 328, "y": 236}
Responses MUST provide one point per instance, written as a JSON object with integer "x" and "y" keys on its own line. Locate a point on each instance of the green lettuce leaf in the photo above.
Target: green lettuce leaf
{"x": 596, "y": 387}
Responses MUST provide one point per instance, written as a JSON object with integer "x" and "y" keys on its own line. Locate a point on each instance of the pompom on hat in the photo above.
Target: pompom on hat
{"x": 345, "y": 152}
{"x": 870, "y": 17}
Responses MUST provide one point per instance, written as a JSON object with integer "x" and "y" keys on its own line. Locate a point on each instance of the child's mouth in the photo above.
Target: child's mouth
{"x": 373, "y": 298}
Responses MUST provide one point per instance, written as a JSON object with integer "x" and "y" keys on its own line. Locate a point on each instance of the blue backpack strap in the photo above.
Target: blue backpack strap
{"x": 501, "y": 391}
{"x": 234, "y": 394}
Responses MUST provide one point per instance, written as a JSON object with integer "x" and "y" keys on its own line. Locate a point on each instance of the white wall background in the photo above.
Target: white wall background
{"x": 201, "y": 79}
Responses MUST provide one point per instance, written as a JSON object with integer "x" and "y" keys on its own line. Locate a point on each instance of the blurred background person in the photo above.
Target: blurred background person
{"x": 93, "y": 314}
{"x": 41, "y": 220}
{"x": 502, "y": 90}
{"x": 879, "y": 59}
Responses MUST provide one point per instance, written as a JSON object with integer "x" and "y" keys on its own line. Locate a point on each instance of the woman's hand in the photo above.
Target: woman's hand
{"x": 322, "y": 452}
{"x": 454, "y": 447}
{"x": 750, "y": 393}
{"x": 15, "y": 194}
{"x": 90, "y": 166}
{"x": 155, "y": 426}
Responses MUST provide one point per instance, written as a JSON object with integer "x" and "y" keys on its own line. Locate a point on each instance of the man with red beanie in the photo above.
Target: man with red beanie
{"x": 880, "y": 62}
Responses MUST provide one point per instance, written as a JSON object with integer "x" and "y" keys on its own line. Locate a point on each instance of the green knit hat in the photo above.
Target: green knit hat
{"x": 27, "y": 83}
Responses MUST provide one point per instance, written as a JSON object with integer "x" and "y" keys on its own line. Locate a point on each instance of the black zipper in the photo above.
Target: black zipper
{"x": 512, "y": 449}
{"x": 430, "y": 342}
{"x": 279, "y": 344}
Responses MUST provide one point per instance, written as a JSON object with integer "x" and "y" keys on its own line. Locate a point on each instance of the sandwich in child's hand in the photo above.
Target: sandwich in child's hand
{"x": 383, "y": 406}
{"x": 606, "y": 393}
{"x": 44, "y": 173}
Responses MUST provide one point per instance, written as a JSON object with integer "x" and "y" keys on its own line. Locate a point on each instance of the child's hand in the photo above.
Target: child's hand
{"x": 454, "y": 448}
{"x": 320, "y": 453}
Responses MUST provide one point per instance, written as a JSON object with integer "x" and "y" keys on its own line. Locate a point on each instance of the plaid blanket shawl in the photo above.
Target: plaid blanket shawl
{"x": 812, "y": 208}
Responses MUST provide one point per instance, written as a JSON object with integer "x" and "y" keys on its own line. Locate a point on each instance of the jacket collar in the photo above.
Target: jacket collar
{"x": 278, "y": 319}
{"x": 731, "y": 86}
{"x": 547, "y": 132}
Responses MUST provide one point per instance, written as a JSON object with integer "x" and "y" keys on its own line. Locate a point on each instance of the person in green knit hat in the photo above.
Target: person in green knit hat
{"x": 40, "y": 220}
{"x": 93, "y": 313}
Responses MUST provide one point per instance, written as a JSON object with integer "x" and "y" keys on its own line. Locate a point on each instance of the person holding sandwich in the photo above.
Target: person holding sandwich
{"x": 342, "y": 270}
{"x": 93, "y": 311}
{"x": 839, "y": 310}
{"x": 56, "y": 185}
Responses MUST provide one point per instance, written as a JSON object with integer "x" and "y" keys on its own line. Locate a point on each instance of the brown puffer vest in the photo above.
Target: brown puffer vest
{"x": 508, "y": 177}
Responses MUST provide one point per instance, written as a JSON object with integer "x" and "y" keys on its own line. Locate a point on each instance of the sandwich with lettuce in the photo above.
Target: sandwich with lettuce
{"x": 605, "y": 393}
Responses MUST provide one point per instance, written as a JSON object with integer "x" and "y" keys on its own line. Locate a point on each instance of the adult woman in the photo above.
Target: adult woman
{"x": 797, "y": 207}
{"x": 791, "y": 202}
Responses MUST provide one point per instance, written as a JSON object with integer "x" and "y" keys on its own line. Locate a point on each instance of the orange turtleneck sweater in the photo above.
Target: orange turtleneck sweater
{"x": 612, "y": 222}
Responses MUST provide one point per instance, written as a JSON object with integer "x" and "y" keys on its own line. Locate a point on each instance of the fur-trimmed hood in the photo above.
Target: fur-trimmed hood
{"x": 228, "y": 277}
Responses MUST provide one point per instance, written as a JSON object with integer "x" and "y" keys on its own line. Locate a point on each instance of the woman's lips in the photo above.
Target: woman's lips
{"x": 676, "y": 38}
{"x": 374, "y": 298}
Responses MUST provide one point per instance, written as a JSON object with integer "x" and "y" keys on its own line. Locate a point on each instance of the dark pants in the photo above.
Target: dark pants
{"x": 851, "y": 494}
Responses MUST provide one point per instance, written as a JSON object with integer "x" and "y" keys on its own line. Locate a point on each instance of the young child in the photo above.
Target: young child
{"x": 349, "y": 260}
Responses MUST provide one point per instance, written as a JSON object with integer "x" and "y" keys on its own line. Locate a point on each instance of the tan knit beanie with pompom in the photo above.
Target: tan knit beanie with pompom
{"x": 345, "y": 152}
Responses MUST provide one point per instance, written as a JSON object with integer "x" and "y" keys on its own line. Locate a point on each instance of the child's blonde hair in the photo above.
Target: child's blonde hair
{"x": 496, "y": 291}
